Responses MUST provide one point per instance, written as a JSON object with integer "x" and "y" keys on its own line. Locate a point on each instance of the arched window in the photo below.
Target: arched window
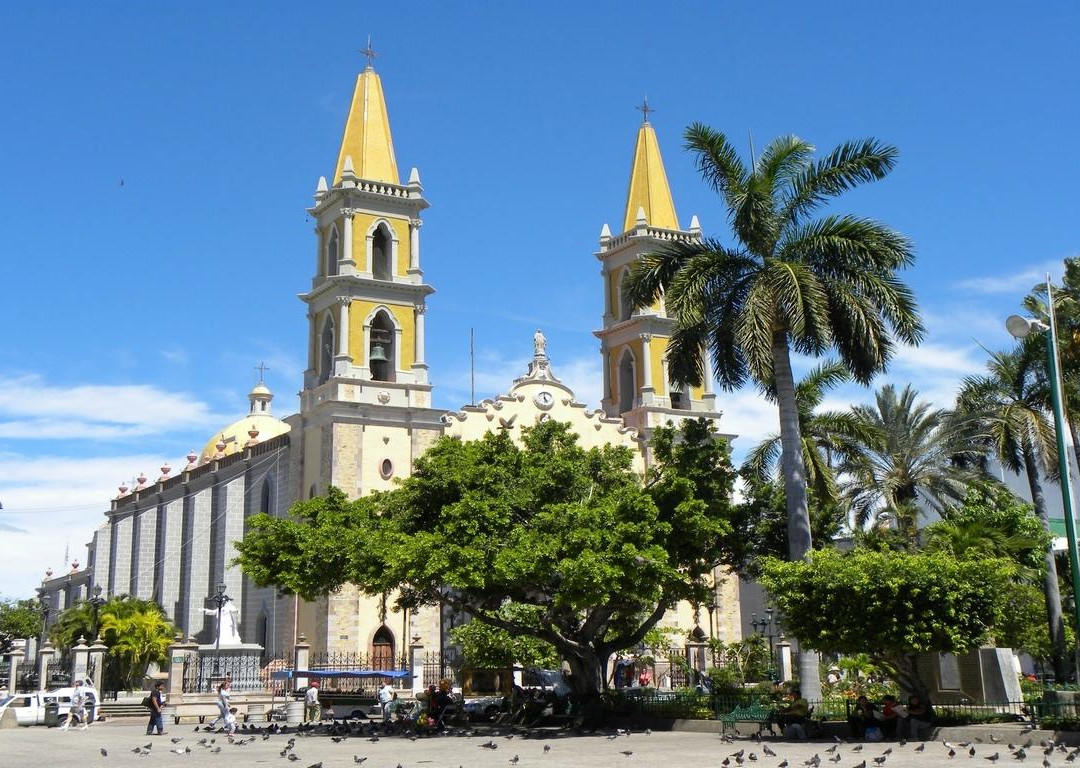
{"x": 381, "y": 255}
{"x": 381, "y": 352}
{"x": 266, "y": 498}
{"x": 382, "y": 649}
{"x": 627, "y": 382}
{"x": 332, "y": 252}
{"x": 679, "y": 398}
{"x": 326, "y": 348}
{"x": 626, "y": 309}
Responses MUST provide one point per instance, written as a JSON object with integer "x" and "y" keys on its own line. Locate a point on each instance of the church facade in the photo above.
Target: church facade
{"x": 366, "y": 413}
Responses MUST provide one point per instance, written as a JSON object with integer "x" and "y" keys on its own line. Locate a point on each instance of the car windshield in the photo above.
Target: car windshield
{"x": 5, "y": 699}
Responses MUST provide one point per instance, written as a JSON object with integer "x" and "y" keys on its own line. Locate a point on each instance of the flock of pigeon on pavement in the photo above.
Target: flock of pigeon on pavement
{"x": 759, "y": 755}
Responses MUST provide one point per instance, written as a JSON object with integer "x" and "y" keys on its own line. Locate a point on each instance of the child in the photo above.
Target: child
{"x": 230, "y": 721}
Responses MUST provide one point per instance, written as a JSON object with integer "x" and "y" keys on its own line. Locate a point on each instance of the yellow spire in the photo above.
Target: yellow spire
{"x": 649, "y": 188}
{"x": 367, "y": 137}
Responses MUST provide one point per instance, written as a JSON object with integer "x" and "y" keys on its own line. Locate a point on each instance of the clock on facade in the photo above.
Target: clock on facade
{"x": 544, "y": 400}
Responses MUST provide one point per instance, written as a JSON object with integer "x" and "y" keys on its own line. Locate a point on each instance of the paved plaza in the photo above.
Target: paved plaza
{"x": 53, "y": 748}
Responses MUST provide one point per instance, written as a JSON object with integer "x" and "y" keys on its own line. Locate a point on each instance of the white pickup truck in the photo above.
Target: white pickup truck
{"x": 29, "y": 708}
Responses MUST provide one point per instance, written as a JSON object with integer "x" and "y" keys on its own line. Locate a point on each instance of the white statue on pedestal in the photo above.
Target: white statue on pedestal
{"x": 228, "y": 630}
{"x": 539, "y": 344}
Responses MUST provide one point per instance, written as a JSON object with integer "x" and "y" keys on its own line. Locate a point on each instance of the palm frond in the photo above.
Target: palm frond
{"x": 718, "y": 163}
{"x": 850, "y": 164}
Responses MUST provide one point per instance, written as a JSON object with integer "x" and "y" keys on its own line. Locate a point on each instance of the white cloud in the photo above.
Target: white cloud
{"x": 31, "y": 408}
{"x": 959, "y": 359}
{"x": 176, "y": 355}
{"x": 748, "y": 416}
{"x": 55, "y": 503}
{"x": 1017, "y": 282}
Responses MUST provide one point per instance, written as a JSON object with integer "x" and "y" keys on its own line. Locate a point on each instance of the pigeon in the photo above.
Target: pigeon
{"x": 784, "y": 764}
{"x": 1020, "y": 754}
{"x": 861, "y": 765}
{"x": 768, "y": 752}
{"x": 293, "y": 757}
{"x": 857, "y": 748}
{"x": 514, "y": 760}
{"x": 881, "y": 760}
{"x": 104, "y": 753}
{"x": 627, "y": 752}
{"x": 176, "y": 739}
{"x": 835, "y": 759}
{"x": 994, "y": 739}
{"x": 136, "y": 751}
{"x": 489, "y": 745}
{"x": 833, "y": 748}
{"x": 919, "y": 748}
{"x": 952, "y": 753}
{"x": 887, "y": 752}
{"x": 183, "y": 751}
{"x": 992, "y": 758}
{"x": 971, "y": 752}
{"x": 215, "y": 750}
{"x": 648, "y": 731}
{"x": 740, "y": 753}
{"x": 547, "y": 748}
{"x": 316, "y": 765}
{"x": 357, "y": 759}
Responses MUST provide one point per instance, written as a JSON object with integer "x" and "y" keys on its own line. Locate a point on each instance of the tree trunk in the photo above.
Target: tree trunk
{"x": 907, "y": 677}
{"x": 1051, "y": 591}
{"x": 586, "y": 682}
{"x": 800, "y": 542}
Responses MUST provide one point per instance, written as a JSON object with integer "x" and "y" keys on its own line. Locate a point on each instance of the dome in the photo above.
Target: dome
{"x": 258, "y": 426}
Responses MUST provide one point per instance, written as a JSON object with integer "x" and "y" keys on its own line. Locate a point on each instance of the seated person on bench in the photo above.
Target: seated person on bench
{"x": 792, "y": 718}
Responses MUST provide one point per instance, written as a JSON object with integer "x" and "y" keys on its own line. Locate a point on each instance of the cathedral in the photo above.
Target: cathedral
{"x": 366, "y": 413}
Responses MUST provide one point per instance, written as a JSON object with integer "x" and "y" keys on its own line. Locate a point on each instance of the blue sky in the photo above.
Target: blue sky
{"x": 133, "y": 314}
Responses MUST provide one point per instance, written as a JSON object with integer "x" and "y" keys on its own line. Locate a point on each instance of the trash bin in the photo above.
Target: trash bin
{"x": 52, "y": 714}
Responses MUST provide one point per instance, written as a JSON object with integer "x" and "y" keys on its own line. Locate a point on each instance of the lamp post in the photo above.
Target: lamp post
{"x": 95, "y": 604}
{"x": 1020, "y": 327}
{"x": 763, "y": 626}
{"x": 219, "y": 599}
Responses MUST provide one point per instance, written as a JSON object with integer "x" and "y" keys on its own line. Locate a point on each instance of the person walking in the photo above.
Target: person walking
{"x": 77, "y": 711}
{"x": 223, "y": 705}
{"x": 156, "y": 703}
{"x": 311, "y": 701}
{"x": 386, "y": 698}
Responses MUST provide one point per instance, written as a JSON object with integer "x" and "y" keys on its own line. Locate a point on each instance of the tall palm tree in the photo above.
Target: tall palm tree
{"x": 1003, "y": 413}
{"x": 788, "y": 282}
{"x": 823, "y": 433}
{"x": 909, "y": 461}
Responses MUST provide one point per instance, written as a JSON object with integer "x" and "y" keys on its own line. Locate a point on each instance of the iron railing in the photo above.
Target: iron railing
{"x": 441, "y": 666}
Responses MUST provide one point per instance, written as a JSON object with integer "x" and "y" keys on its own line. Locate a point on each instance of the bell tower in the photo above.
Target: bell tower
{"x": 633, "y": 343}
{"x": 365, "y": 409}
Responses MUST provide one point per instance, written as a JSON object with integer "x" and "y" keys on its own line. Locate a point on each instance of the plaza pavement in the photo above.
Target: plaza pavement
{"x": 52, "y": 748}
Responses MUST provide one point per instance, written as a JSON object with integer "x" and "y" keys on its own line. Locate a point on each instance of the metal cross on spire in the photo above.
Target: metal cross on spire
{"x": 262, "y": 369}
{"x": 645, "y": 109}
{"x": 370, "y": 52}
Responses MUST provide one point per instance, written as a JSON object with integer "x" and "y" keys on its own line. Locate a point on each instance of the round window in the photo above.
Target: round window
{"x": 386, "y": 469}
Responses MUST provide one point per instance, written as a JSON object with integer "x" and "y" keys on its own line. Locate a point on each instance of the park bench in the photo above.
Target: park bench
{"x": 754, "y": 713}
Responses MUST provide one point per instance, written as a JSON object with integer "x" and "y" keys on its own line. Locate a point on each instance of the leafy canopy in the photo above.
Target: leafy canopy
{"x": 587, "y": 552}
{"x": 19, "y": 619}
{"x": 888, "y": 603}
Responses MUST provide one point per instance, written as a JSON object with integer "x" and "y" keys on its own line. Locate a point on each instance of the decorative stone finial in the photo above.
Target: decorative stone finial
{"x": 347, "y": 171}
{"x": 165, "y": 470}
{"x": 220, "y": 447}
{"x": 48, "y": 573}
{"x": 414, "y": 178}
{"x": 695, "y": 225}
{"x": 141, "y": 480}
{"x": 74, "y": 565}
{"x": 605, "y": 234}
{"x": 641, "y": 219}
{"x": 253, "y": 435}
{"x": 192, "y": 459}
{"x": 321, "y": 187}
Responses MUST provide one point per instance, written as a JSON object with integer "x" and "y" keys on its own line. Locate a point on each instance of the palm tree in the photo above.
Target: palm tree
{"x": 1003, "y": 413}
{"x": 823, "y": 434}
{"x": 909, "y": 462}
{"x": 788, "y": 282}
{"x": 141, "y": 638}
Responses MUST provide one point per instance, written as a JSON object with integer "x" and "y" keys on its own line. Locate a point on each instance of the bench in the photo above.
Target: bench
{"x": 201, "y": 711}
{"x": 754, "y": 713}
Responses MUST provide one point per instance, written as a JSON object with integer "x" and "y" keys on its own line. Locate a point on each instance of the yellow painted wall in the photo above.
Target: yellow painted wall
{"x": 658, "y": 347}
{"x": 403, "y": 314}
{"x": 362, "y": 223}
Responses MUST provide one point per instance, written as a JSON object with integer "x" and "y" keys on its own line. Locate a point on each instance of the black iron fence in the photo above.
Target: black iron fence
{"x": 441, "y": 666}
{"x": 349, "y": 662}
{"x": 204, "y": 672}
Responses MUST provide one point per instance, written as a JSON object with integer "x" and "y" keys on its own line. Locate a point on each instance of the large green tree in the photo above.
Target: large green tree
{"x": 1002, "y": 414}
{"x": 891, "y": 605}
{"x": 788, "y": 282}
{"x": 589, "y": 554}
{"x": 911, "y": 459}
{"x": 19, "y": 620}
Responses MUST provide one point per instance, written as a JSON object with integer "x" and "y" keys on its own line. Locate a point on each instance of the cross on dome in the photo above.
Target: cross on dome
{"x": 262, "y": 369}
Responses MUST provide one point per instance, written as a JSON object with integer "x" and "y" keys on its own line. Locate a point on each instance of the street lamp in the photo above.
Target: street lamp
{"x": 95, "y": 604}
{"x": 46, "y": 601}
{"x": 763, "y": 626}
{"x": 1020, "y": 327}
{"x": 219, "y": 599}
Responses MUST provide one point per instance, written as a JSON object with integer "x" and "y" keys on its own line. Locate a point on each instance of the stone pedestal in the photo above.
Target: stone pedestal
{"x": 416, "y": 666}
{"x": 16, "y": 658}
{"x": 180, "y": 653}
{"x": 80, "y": 660}
{"x": 97, "y": 663}
{"x": 301, "y": 654}
{"x": 45, "y": 657}
{"x": 783, "y": 660}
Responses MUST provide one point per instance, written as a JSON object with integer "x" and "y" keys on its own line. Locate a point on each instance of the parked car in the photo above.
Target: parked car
{"x": 29, "y": 708}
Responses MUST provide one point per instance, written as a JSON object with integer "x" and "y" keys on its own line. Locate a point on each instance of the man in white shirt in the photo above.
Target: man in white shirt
{"x": 311, "y": 701}
{"x": 386, "y": 698}
{"x": 78, "y": 708}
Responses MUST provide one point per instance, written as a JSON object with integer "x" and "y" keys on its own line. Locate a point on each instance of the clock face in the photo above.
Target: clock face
{"x": 544, "y": 400}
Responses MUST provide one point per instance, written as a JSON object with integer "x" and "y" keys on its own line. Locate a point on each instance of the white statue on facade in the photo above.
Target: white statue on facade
{"x": 539, "y": 343}
{"x": 228, "y": 629}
